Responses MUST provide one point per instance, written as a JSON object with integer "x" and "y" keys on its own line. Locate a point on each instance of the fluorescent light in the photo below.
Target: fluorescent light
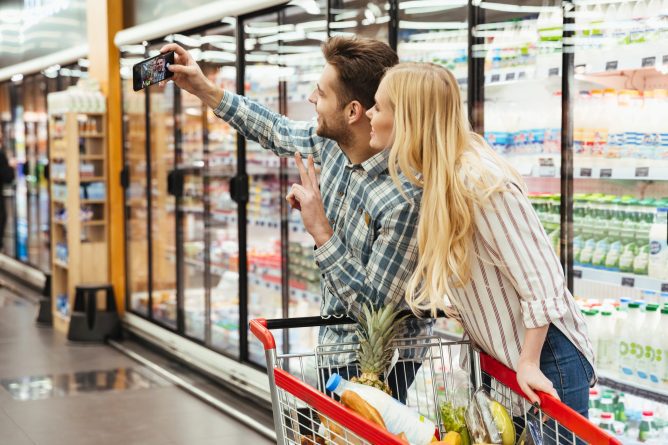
{"x": 446, "y": 4}
{"x": 132, "y": 49}
{"x": 284, "y": 36}
{"x": 369, "y": 17}
{"x": 517, "y": 8}
{"x": 17, "y": 77}
{"x": 313, "y": 25}
{"x": 232, "y": 21}
{"x": 193, "y": 42}
{"x": 216, "y": 38}
{"x": 343, "y": 25}
{"x": 310, "y": 6}
{"x": 83, "y": 63}
{"x": 405, "y": 24}
{"x": 345, "y": 16}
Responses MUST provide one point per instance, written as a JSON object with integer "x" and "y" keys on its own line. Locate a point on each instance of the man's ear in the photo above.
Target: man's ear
{"x": 355, "y": 111}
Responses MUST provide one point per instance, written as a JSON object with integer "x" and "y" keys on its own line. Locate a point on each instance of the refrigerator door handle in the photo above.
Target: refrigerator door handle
{"x": 239, "y": 189}
{"x": 175, "y": 183}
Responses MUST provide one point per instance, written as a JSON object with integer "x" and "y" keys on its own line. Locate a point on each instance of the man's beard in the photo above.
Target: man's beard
{"x": 335, "y": 129}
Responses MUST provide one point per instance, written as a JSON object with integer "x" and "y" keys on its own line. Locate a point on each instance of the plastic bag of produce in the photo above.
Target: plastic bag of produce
{"x": 488, "y": 421}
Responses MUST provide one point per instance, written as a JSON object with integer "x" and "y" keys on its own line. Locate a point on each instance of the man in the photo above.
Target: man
{"x": 159, "y": 70}
{"x": 6, "y": 177}
{"x": 364, "y": 229}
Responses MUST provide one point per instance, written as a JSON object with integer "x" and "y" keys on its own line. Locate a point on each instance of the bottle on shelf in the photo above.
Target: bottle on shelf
{"x": 606, "y": 353}
{"x": 658, "y": 241}
{"x": 627, "y": 343}
{"x": 647, "y": 431}
{"x": 606, "y": 422}
{"x": 646, "y": 353}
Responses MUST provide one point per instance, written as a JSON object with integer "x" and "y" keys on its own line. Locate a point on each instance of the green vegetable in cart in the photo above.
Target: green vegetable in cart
{"x": 453, "y": 420}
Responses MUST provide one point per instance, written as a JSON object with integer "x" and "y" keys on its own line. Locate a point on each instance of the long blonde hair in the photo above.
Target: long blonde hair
{"x": 434, "y": 148}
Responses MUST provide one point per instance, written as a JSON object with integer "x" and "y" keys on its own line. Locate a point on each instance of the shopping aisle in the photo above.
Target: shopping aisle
{"x": 54, "y": 392}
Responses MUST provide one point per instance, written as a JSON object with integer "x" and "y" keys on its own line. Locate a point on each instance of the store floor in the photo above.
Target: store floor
{"x": 54, "y": 392}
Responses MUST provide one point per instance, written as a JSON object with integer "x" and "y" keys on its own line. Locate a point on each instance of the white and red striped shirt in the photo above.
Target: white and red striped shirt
{"x": 516, "y": 281}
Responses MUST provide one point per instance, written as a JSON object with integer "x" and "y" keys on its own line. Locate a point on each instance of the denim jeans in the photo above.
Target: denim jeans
{"x": 570, "y": 373}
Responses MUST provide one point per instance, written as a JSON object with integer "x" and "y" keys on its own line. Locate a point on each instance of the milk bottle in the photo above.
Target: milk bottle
{"x": 658, "y": 245}
{"x": 628, "y": 346}
{"x": 646, "y": 335}
{"x": 606, "y": 341}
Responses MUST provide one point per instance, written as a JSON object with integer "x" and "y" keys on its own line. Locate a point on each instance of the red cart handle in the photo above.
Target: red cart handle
{"x": 555, "y": 409}
{"x": 258, "y": 327}
{"x": 334, "y": 410}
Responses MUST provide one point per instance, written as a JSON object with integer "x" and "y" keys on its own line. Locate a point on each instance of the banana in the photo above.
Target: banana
{"x": 503, "y": 422}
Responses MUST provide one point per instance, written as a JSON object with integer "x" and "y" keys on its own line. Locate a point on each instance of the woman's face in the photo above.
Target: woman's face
{"x": 382, "y": 120}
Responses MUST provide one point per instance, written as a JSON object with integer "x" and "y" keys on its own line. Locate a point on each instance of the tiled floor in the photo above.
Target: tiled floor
{"x": 53, "y": 392}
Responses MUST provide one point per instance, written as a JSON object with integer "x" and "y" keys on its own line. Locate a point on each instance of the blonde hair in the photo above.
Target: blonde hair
{"x": 434, "y": 148}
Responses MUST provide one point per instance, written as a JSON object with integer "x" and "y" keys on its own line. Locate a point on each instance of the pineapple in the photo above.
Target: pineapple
{"x": 376, "y": 332}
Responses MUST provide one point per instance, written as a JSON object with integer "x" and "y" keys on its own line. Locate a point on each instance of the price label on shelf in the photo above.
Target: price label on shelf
{"x": 553, "y": 72}
{"x": 665, "y": 59}
{"x": 611, "y": 65}
{"x": 628, "y": 281}
{"x": 522, "y": 75}
{"x": 606, "y": 173}
{"x": 664, "y": 287}
{"x": 585, "y": 172}
{"x": 546, "y": 168}
{"x": 495, "y": 78}
{"x": 577, "y": 273}
{"x": 642, "y": 172}
{"x": 648, "y": 62}
{"x": 510, "y": 76}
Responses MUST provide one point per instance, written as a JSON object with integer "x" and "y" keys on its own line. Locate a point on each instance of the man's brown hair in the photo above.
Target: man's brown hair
{"x": 360, "y": 63}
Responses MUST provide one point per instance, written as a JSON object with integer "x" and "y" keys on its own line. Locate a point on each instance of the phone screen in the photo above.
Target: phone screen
{"x": 153, "y": 70}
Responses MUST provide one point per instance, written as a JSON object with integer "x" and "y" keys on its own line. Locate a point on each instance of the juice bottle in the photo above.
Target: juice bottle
{"x": 647, "y": 430}
{"x": 646, "y": 354}
{"x": 615, "y": 228}
{"x": 658, "y": 242}
{"x": 606, "y": 422}
{"x": 603, "y": 242}
{"x": 628, "y": 347}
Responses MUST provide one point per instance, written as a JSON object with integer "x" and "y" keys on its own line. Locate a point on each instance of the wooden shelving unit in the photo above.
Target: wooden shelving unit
{"x": 79, "y": 241}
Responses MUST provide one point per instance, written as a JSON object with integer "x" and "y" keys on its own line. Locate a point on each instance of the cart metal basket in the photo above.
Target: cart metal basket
{"x": 446, "y": 371}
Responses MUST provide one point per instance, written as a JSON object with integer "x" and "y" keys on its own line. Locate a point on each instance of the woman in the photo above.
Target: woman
{"x": 480, "y": 241}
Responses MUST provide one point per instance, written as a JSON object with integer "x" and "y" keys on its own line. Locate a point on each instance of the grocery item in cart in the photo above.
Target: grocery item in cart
{"x": 398, "y": 418}
{"x": 488, "y": 421}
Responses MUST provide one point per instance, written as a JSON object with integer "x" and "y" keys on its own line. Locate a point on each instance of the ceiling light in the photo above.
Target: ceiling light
{"x": 17, "y": 77}
{"x": 310, "y": 6}
{"x": 342, "y": 25}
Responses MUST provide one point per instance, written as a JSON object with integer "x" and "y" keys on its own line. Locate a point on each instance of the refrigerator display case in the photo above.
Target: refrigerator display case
{"x": 535, "y": 81}
{"x": 620, "y": 190}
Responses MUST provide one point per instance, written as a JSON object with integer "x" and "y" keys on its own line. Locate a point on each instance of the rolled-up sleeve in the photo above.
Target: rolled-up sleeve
{"x": 515, "y": 238}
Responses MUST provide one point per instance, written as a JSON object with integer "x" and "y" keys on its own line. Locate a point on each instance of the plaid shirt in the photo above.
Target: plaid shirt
{"x": 373, "y": 251}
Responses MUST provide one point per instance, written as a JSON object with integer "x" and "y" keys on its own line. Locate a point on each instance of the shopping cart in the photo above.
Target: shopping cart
{"x": 304, "y": 414}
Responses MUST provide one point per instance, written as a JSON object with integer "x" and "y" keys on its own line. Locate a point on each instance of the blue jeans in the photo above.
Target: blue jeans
{"x": 571, "y": 374}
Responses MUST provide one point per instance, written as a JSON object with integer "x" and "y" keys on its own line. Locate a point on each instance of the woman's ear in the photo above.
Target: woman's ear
{"x": 356, "y": 111}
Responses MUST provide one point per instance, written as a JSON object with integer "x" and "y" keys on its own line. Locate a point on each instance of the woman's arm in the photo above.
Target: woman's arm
{"x": 529, "y": 375}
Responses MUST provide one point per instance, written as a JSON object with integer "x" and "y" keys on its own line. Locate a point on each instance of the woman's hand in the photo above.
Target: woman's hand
{"x": 531, "y": 379}
{"x": 306, "y": 197}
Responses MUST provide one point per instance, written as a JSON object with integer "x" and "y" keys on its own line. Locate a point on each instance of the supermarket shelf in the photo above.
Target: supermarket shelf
{"x": 61, "y": 264}
{"x": 620, "y": 279}
{"x": 93, "y": 179}
{"x": 618, "y": 58}
{"x": 91, "y": 157}
{"x": 607, "y": 378}
{"x": 549, "y": 166}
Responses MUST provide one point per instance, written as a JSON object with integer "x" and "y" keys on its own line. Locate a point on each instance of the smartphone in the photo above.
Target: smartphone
{"x": 153, "y": 70}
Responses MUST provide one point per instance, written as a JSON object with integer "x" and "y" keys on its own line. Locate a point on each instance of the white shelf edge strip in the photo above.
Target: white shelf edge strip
{"x": 35, "y": 65}
{"x": 191, "y": 18}
{"x": 179, "y": 382}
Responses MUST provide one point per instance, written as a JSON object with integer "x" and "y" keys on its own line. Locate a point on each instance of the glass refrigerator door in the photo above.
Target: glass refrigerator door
{"x": 136, "y": 193}
{"x": 302, "y": 62}
{"x": 7, "y": 244}
{"x": 265, "y": 297}
{"x": 436, "y": 34}
{"x": 222, "y": 222}
{"x": 620, "y": 145}
{"x": 522, "y": 53}
{"x": 42, "y": 165}
{"x": 163, "y": 207}
{"x": 191, "y": 225}
{"x": 360, "y": 17}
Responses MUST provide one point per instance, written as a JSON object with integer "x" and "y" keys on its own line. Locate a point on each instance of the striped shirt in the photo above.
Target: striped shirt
{"x": 517, "y": 282}
{"x": 373, "y": 251}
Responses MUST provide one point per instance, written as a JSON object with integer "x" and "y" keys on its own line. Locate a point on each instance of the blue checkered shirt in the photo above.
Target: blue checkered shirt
{"x": 373, "y": 251}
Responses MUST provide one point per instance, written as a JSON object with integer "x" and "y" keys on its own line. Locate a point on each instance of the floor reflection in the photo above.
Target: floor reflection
{"x": 64, "y": 385}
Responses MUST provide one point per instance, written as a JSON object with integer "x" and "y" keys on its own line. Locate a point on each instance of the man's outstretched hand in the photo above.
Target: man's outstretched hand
{"x": 189, "y": 76}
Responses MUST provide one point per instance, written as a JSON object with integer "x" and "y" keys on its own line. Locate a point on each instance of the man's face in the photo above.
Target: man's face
{"x": 332, "y": 120}
{"x": 159, "y": 65}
